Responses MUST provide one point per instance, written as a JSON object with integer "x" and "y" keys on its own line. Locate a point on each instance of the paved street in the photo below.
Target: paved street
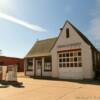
{"x": 36, "y": 89}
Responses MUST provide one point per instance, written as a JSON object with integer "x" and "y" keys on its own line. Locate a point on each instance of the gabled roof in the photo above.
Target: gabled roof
{"x": 79, "y": 33}
{"x": 42, "y": 47}
{"x": 82, "y": 35}
{"x": 45, "y": 46}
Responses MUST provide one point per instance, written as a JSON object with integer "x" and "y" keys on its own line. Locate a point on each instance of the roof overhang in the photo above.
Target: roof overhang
{"x": 38, "y": 55}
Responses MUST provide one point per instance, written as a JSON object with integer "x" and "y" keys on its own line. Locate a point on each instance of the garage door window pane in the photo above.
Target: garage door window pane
{"x": 70, "y": 58}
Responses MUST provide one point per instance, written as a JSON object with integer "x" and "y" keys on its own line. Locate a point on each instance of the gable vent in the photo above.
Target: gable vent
{"x": 67, "y": 33}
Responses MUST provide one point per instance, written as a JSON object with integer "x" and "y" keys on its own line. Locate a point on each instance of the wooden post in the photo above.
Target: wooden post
{"x": 42, "y": 69}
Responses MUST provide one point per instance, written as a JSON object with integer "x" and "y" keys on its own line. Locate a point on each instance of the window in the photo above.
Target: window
{"x": 63, "y": 59}
{"x": 67, "y": 54}
{"x": 71, "y": 65}
{"x": 75, "y": 59}
{"x": 60, "y": 65}
{"x": 29, "y": 64}
{"x": 47, "y": 63}
{"x": 71, "y": 54}
{"x": 60, "y": 60}
{"x": 70, "y": 58}
{"x": 67, "y": 59}
{"x": 79, "y": 53}
{"x": 67, "y": 64}
{"x": 67, "y": 33}
{"x": 75, "y": 64}
{"x": 60, "y": 55}
{"x": 47, "y": 67}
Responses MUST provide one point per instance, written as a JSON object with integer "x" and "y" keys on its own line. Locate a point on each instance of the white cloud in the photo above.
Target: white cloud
{"x": 22, "y": 23}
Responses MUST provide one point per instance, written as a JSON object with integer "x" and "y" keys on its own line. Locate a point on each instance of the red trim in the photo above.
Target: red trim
{"x": 68, "y": 50}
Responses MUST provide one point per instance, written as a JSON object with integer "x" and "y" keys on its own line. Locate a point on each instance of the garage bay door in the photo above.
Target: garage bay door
{"x": 70, "y": 64}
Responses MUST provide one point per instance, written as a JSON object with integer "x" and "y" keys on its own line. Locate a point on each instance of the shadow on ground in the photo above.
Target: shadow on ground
{"x": 85, "y": 81}
{"x": 5, "y": 84}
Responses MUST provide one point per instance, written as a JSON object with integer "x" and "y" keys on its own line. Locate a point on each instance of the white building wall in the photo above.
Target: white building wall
{"x": 87, "y": 62}
{"x": 47, "y": 73}
{"x": 84, "y": 72}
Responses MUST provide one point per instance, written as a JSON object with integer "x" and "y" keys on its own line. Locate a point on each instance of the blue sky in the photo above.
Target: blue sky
{"x": 16, "y": 40}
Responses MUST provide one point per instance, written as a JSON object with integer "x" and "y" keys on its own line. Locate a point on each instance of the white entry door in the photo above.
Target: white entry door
{"x": 38, "y": 67}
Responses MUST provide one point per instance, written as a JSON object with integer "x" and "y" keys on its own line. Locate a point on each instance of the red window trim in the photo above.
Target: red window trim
{"x": 68, "y": 50}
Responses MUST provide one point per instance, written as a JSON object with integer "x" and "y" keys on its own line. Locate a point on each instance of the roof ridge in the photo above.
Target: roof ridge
{"x": 11, "y": 57}
{"x": 47, "y": 39}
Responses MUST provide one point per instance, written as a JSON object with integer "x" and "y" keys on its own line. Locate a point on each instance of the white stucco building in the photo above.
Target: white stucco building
{"x": 69, "y": 56}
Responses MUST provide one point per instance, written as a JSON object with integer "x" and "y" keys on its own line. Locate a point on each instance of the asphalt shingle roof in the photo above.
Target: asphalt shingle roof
{"x": 42, "y": 47}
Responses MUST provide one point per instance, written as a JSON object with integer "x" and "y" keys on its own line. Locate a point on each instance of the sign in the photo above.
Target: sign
{"x": 69, "y": 45}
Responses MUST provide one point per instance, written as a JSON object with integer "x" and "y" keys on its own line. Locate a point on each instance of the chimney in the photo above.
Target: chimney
{"x": 61, "y": 29}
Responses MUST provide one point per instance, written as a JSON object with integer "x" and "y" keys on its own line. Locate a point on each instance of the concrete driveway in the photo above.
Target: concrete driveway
{"x": 36, "y": 89}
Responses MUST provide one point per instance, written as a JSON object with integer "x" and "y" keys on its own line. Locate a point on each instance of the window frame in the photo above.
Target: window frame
{"x": 70, "y": 60}
{"x": 29, "y": 65}
{"x": 47, "y": 64}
